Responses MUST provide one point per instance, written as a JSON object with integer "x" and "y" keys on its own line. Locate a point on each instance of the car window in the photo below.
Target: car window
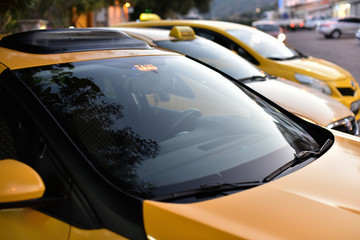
{"x": 264, "y": 44}
{"x": 268, "y": 27}
{"x": 158, "y": 124}
{"x": 215, "y": 55}
{"x": 350, "y": 20}
{"x": 218, "y": 38}
{"x": 22, "y": 141}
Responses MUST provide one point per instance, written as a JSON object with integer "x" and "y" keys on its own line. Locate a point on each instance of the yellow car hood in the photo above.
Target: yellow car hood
{"x": 302, "y": 101}
{"x": 315, "y": 67}
{"x": 319, "y": 201}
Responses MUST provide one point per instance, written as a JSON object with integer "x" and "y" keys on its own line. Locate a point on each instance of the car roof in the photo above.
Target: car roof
{"x": 268, "y": 22}
{"x": 44, "y": 47}
{"x": 70, "y": 40}
{"x": 209, "y": 23}
{"x": 155, "y": 34}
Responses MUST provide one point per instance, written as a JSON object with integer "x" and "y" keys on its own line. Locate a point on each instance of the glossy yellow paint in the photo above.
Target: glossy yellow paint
{"x": 26, "y": 223}
{"x": 334, "y": 76}
{"x": 310, "y": 203}
{"x": 318, "y": 68}
{"x": 19, "y": 182}
{"x": 316, "y": 107}
{"x": 83, "y": 234}
{"x": 16, "y": 60}
{"x": 2, "y": 68}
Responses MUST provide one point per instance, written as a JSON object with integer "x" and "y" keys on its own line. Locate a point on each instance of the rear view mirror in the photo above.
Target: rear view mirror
{"x": 19, "y": 182}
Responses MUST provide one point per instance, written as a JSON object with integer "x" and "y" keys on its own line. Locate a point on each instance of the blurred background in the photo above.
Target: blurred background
{"x": 20, "y": 15}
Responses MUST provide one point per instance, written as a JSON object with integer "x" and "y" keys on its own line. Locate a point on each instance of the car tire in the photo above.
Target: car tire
{"x": 336, "y": 34}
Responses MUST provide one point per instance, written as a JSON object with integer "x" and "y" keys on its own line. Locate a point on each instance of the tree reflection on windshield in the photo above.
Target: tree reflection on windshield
{"x": 94, "y": 122}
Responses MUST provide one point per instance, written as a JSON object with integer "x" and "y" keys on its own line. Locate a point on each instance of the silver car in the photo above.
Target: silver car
{"x": 340, "y": 26}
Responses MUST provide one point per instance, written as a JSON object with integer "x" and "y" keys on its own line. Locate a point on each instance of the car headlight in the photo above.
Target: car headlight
{"x": 314, "y": 83}
{"x": 347, "y": 125}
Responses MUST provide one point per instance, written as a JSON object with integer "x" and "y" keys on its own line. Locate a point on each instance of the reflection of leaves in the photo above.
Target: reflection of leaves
{"x": 90, "y": 118}
{"x": 132, "y": 150}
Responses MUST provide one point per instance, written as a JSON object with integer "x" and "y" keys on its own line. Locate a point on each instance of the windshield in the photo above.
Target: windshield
{"x": 268, "y": 27}
{"x": 158, "y": 124}
{"x": 215, "y": 55}
{"x": 263, "y": 43}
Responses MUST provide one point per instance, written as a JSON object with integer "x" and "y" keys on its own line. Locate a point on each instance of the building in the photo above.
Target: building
{"x": 102, "y": 18}
{"x": 327, "y": 8}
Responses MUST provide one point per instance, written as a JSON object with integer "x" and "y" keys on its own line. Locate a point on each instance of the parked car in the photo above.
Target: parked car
{"x": 337, "y": 27}
{"x": 104, "y": 137}
{"x": 302, "y": 101}
{"x": 273, "y": 57}
{"x": 313, "y": 21}
{"x": 271, "y": 28}
{"x": 357, "y": 34}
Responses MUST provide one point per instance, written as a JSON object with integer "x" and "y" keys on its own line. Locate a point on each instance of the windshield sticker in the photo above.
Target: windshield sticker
{"x": 146, "y": 67}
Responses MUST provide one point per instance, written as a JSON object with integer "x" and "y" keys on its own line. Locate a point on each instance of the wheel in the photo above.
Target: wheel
{"x": 336, "y": 34}
{"x": 184, "y": 121}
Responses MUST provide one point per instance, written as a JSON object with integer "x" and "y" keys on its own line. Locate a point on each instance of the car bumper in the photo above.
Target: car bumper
{"x": 349, "y": 96}
{"x": 357, "y": 35}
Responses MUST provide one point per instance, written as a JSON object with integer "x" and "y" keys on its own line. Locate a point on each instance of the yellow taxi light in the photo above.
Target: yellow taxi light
{"x": 182, "y": 32}
{"x": 149, "y": 17}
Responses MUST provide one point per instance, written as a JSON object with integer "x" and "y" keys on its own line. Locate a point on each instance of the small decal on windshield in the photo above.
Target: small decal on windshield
{"x": 146, "y": 67}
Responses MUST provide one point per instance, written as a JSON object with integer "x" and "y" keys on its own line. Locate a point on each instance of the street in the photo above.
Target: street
{"x": 344, "y": 52}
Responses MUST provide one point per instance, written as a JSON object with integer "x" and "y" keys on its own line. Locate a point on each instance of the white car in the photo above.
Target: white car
{"x": 357, "y": 34}
{"x": 313, "y": 21}
{"x": 340, "y": 26}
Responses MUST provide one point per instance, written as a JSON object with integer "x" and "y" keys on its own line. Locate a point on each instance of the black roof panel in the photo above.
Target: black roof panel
{"x": 70, "y": 40}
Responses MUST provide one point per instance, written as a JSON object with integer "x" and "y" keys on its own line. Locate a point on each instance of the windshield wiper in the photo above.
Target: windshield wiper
{"x": 298, "y": 158}
{"x": 283, "y": 59}
{"x": 252, "y": 78}
{"x": 207, "y": 190}
{"x": 213, "y": 189}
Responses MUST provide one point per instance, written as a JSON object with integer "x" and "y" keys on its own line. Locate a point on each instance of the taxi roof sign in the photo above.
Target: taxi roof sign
{"x": 182, "y": 32}
{"x": 149, "y": 17}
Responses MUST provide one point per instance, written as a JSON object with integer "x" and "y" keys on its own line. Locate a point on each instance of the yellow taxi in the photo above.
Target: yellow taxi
{"x": 105, "y": 137}
{"x": 274, "y": 57}
{"x": 299, "y": 99}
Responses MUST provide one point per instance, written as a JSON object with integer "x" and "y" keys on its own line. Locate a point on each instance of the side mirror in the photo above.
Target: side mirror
{"x": 19, "y": 182}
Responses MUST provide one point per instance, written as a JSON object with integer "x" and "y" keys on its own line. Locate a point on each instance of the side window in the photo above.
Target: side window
{"x": 7, "y": 145}
{"x": 24, "y": 138}
{"x": 229, "y": 44}
{"x": 21, "y": 140}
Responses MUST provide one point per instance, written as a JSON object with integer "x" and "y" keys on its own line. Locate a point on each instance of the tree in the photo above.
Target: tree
{"x": 169, "y": 9}
{"x": 57, "y": 12}
{"x": 11, "y": 9}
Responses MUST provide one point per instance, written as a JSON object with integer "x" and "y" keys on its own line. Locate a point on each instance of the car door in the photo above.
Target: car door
{"x": 30, "y": 135}
{"x": 348, "y": 25}
{"x": 38, "y": 222}
{"x": 22, "y": 140}
{"x": 356, "y": 25}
